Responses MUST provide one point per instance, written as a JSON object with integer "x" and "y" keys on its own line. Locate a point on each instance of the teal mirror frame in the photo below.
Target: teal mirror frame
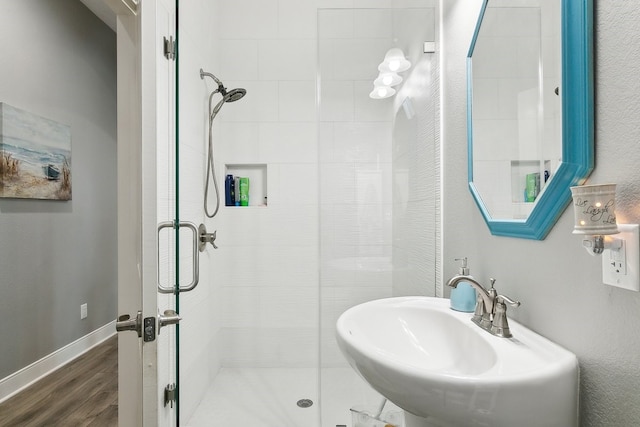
{"x": 577, "y": 125}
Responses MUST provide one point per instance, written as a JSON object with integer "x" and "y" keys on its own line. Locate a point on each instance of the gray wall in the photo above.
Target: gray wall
{"x": 558, "y": 283}
{"x": 59, "y": 61}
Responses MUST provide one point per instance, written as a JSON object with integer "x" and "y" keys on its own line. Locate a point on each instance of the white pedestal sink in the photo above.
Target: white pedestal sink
{"x": 439, "y": 366}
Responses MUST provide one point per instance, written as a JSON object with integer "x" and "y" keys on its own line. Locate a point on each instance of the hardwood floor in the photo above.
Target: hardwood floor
{"x": 82, "y": 393}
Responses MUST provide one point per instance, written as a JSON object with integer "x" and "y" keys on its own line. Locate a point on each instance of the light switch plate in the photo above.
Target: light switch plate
{"x": 622, "y": 268}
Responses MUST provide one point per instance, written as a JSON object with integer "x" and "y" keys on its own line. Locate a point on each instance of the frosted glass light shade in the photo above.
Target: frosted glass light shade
{"x": 394, "y": 62}
{"x": 387, "y": 79}
{"x": 381, "y": 92}
{"x": 594, "y": 208}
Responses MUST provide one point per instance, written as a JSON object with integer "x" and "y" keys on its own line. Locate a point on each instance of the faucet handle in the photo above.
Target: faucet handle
{"x": 505, "y": 299}
{"x": 492, "y": 291}
{"x": 500, "y": 324}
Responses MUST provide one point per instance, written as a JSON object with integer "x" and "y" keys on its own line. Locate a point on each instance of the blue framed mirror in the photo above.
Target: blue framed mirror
{"x": 529, "y": 111}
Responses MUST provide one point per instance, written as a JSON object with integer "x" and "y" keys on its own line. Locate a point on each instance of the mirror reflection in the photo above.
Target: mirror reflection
{"x": 516, "y": 70}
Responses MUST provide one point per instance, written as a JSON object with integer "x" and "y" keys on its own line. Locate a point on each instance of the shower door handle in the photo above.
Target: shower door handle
{"x": 194, "y": 253}
{"x": 169, "y": 317}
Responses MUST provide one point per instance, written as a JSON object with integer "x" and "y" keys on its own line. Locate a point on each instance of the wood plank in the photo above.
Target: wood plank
{"x": 108, "y": 418}
{"x": 93, "y": 407}
{"x": 83, "y": 392}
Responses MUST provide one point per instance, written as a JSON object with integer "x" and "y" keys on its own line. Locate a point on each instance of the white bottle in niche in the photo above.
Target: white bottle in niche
{"x": 463, "y": 297}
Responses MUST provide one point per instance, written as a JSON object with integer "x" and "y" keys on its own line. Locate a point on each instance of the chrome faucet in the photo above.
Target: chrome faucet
{"x": 491, "y": 309}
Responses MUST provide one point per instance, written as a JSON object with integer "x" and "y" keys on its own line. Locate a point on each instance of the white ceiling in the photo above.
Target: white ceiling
{"x": 102, "y": 11}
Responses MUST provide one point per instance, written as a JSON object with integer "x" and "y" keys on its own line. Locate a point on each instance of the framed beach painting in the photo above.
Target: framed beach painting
{"x": 35, "y": 156}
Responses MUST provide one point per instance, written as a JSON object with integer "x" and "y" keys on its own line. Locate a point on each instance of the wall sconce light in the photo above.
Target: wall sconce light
{"x": 387, "y": 79}
{"x": 595, "y": 218}
{"x": 381, "y": 92}
{"x": 382, "y": 85}
{"x": 394, "y": 62}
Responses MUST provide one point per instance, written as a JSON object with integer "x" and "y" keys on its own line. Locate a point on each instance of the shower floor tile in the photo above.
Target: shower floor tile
{"x": 266, "y": 397}
{"x": 261, "y": 397}
{"x": 343, "y": 389}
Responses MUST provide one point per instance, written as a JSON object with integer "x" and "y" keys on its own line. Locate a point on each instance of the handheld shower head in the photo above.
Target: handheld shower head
{"x": 227, "y": 96}
{"x": 231, "y": 96}
{"x": 234, "y": 94}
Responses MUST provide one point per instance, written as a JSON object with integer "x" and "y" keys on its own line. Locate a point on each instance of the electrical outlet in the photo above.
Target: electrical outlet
{"x": 621, "y": 267}
{"x": 83, "y": 311}
{"x": 617, "y": 263}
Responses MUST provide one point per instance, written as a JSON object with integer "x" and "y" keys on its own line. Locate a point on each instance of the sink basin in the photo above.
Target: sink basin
{"x": 439, "y": 366}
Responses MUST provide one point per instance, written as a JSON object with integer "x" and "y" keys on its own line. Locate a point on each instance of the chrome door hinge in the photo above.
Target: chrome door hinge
{"x": 169, "y": 48}
{"x": 169, "y": 394}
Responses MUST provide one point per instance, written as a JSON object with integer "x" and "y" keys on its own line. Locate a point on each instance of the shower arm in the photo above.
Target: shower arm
{"x": 215, "y": 79}
{"x": 221, "y": 89}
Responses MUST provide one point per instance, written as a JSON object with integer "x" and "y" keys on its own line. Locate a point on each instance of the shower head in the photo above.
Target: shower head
{"x": 227, "y": 96}
{"x": 231, "y": 96}
{"x": 234, "y": 95}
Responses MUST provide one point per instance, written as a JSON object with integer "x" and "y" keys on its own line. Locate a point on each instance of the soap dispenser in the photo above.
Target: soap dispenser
{"x": 463, "y": 297}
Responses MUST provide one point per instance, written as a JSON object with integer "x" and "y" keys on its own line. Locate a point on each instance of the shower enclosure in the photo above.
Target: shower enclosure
{"x": 343, "y": 202}
{"x": 378, "y": 180}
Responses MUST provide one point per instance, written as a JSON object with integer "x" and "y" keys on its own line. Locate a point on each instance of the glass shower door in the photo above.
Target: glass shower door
{"x": 178, "y": 232}
{"x": 170, "y": 233}
{"x": 248, "y": 337}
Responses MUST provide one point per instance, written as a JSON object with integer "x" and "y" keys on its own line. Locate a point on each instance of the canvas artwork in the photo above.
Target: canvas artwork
{"x": 35, "y": 156}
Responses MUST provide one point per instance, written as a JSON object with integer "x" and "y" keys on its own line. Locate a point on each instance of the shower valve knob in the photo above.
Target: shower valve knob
{"x": 206, "y": 238}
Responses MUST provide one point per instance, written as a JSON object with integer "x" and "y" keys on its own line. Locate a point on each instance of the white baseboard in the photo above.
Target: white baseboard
{"x": 26, "y": 376}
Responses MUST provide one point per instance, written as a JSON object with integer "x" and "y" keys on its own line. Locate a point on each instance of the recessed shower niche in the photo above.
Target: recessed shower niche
{"x": 257, "y": 174}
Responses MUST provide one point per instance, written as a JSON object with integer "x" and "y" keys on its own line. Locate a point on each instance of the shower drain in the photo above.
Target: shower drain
{"x": 304, "y": 403}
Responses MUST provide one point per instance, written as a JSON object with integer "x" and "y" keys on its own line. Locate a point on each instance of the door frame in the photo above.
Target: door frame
{"x": 138, "y": 391}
